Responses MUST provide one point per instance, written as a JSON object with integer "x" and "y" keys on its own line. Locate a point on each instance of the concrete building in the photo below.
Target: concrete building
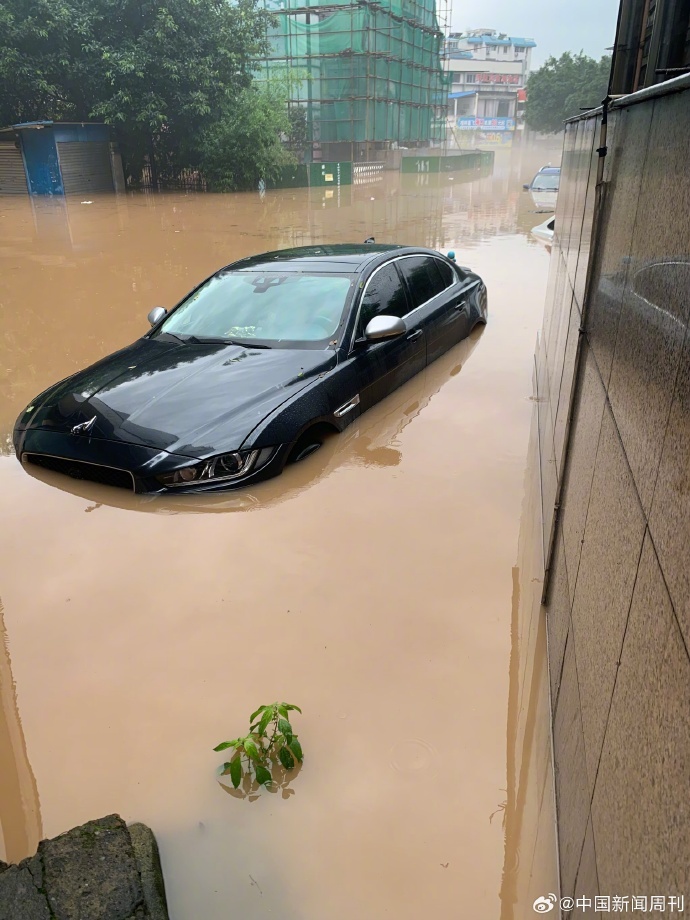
{"x": 613, "y": 388}
{"x": 488, "y": 72}
{"x": 374, "y": 79}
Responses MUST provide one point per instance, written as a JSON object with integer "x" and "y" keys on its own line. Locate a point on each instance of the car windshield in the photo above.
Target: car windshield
{"x": 547, "y": 182}
{"x": 276, "y": 308}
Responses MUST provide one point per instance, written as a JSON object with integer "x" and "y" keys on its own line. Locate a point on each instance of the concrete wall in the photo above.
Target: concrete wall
{"x": 613, "y": 372}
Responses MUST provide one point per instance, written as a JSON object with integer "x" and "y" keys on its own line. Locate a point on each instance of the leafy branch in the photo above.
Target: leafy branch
{"x": 270, "y": 740}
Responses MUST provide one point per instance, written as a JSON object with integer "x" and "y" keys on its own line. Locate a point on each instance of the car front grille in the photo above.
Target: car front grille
{"x": 106, "y": 475}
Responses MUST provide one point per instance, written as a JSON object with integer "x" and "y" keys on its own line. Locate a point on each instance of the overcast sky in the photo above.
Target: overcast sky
{"x": 556, "y": 26}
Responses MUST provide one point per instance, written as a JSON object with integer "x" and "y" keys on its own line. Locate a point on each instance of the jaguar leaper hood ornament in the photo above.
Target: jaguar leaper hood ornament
{"x": 84, "y": 427}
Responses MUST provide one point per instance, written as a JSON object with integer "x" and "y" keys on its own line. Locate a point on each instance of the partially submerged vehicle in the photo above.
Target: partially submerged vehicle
{"x": 253, "y": 368}
{"x": 545, "y": 230}
{"x": 544, "y": 188}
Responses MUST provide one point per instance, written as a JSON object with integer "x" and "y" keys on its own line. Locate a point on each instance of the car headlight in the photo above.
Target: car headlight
{"x": 223, "y": 467}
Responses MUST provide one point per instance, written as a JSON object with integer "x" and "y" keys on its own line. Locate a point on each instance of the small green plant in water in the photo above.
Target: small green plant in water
{"x": 270, "y": 739}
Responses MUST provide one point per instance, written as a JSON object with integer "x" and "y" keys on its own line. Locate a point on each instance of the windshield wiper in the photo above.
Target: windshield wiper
{"x": 219, "y": 340}
{"x": 171, "y": 335}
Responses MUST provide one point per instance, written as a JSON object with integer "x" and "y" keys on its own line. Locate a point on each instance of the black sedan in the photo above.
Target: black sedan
{"x": 253, "y": 368}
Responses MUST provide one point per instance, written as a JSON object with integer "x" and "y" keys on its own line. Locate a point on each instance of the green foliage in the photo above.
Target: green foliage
{"x": 564, "y": 86}
{"x": 244, "y": 145}
{"x": 270, "y": 740}
{"x": 298, "y": 130}
{"x": 161, "y": 71}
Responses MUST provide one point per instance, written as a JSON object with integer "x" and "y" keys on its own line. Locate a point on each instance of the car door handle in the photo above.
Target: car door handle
{"x": 414, "y": 335}
{"x": 459, "y": 305}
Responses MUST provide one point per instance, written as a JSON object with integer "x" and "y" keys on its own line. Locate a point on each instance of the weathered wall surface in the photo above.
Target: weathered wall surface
{"x": 618, "y": 605}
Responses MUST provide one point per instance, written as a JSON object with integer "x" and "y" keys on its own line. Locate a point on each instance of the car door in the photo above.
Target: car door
{"x": 438, "y": 301}
{"x": 381, "y": 367}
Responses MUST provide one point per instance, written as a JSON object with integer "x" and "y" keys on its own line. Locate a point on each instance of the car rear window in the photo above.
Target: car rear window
{"x": 447, "y": 273}
{"x": 423, "y": 277}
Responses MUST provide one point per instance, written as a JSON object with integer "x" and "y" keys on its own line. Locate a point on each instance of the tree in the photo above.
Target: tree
{"x": 298, "y": 130}
{"x": 161, "y": 71}
{"x": 245, "y": 145}
{"x": 37, "y": 39}
{"x": 564, "y": 86}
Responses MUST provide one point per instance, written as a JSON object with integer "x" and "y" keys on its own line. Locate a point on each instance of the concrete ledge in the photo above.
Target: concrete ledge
{"x": 102, "y": 870}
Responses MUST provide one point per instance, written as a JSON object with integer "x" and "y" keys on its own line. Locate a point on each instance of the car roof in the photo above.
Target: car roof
{"x": 553, "y": 170}
{"x": 339, "y": 257}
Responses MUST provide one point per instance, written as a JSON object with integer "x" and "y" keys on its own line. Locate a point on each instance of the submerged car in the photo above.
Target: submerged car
{"x": 545, "y": 231}
{"x": 544, "y": 187}
{"x": 547, "y": 179}
{"x": 253, "y": 368}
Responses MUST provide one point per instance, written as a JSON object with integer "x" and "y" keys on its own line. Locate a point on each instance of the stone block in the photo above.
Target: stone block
{"x": 566, "y": 387}
{"x": 593, "y": 128}
{"x": 91, "y": 873}
{"x": 584, "y": 440}
{"x": 20, "y": 899}
{"x": 669, "y": 520}
{"x": 557, "y": 615}
{"x": 149, "y": 863}
{"x": 652, "y": 328}
{"x": 640, "y": 809}
{"x": 625, "y": 167}
{"x": 572, "y": 787}
{"x": 587, "y": 884}
{"x": 611, "y": 550}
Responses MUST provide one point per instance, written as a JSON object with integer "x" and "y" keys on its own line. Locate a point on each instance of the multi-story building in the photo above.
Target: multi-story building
{"x": 373, "y": 74}
{"x": 488, "y": 72}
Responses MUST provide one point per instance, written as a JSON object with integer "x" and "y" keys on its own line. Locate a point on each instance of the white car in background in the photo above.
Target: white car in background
{"x": 544, "y": 232}
{"x": 544, "y": 188}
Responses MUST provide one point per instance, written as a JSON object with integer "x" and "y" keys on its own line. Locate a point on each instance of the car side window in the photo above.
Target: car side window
{"x": 423, "y": 277}
{"x": 384, "y": 294}
{"x": 447, "y": 273}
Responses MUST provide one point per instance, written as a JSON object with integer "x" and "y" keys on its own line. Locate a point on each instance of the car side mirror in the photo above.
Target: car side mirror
{"x": 384, "y": 327}
{"x": 526, "y": 188}
{"x": 156, "y": 315}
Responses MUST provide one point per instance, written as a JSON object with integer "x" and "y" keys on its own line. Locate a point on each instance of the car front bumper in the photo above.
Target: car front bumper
{"x": 121, "y": 464}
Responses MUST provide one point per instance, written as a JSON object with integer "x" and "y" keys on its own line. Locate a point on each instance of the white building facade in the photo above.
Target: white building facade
{"x": 487, "y": 95}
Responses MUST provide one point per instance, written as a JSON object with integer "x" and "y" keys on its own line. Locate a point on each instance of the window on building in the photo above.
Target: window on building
{"x": 488, "y": 108}
{"x": 470, "y": 78}
{"x": 503, "y": 109}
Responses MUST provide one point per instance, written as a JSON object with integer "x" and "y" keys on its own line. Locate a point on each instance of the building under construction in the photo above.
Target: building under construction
{"x": 373, "y": 77}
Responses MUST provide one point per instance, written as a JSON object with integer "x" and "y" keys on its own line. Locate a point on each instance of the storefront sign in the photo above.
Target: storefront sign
{"x": 498, "y": 78}
{"x": 486, "y": 124}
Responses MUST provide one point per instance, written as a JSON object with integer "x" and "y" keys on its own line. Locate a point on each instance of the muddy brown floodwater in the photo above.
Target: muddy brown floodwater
{"x": 374, "y": 584}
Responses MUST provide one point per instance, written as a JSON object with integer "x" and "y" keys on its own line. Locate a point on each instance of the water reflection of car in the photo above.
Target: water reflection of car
{"x": 373, "y": 440}
{"x": 253, "y": 368}
{"x": 656, "y": 293}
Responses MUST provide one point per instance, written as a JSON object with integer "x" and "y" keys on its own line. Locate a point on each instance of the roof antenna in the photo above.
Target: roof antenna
{"x": 370, "y": 240}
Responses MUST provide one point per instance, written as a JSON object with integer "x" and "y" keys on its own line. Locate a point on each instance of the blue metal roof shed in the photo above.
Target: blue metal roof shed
{"x": 58, "y": 158}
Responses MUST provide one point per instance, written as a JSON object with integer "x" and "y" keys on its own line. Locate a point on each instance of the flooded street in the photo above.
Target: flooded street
{"x": 373, "y": 584}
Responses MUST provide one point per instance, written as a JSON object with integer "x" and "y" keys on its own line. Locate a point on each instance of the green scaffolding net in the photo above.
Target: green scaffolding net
{"x": 372, "y": 70}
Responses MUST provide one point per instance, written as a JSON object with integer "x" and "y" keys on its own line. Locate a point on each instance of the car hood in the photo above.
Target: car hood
{"x": 194, "y": 400}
